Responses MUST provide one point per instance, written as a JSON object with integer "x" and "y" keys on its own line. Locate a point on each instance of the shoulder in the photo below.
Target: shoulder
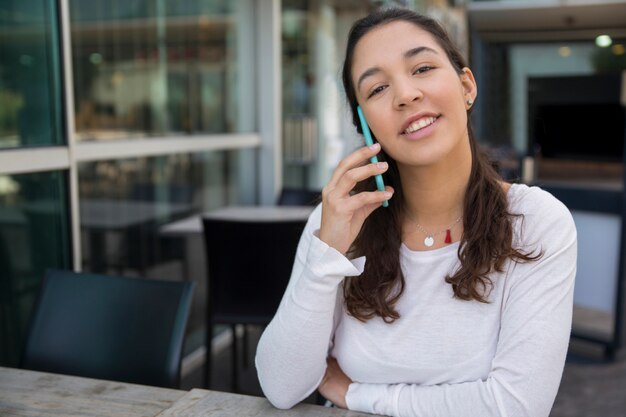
{"x": 540, "y": 216}
{"x": 531, "y": 200}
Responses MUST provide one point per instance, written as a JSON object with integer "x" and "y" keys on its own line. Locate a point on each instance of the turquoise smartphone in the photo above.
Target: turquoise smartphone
{"x": 369, "y": 142}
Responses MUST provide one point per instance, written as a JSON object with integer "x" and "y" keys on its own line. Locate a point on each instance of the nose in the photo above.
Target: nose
{"x": 406, "y": 93}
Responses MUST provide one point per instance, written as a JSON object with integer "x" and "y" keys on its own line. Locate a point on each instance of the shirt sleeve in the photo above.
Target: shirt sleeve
{"x": 291, "y": 354}
{"x": 535, "y": 327}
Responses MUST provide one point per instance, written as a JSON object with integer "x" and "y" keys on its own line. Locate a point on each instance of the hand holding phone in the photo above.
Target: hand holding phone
{"x": 369, "y": 142}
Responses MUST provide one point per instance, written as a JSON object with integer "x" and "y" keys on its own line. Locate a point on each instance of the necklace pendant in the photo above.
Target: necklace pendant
{"x": 429, "y": 241}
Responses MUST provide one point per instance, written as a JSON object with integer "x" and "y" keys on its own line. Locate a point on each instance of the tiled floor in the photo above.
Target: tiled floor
{"x": 589, "y": 388}
{"x": 592, "y": 388}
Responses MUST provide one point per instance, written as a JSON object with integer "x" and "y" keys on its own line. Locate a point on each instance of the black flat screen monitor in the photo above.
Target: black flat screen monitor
{"x": 577, "y": 118}
{"x": 580, "y": 131}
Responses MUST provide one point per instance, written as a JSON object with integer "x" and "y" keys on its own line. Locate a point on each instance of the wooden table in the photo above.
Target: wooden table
{"x": 34, "y": 394}
{"x": 199, "y": 402}
{"x": 193, "y": 225}
{"x": 38, "y": 394}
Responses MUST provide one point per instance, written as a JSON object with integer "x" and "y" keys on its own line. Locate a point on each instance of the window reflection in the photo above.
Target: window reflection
{"x": 126, "y": 205}
{"x": 34, "y": 236}
{"x": 298, "y": 93}
{"x": 155, "y": 68}
{"x": 30, "y": 99}
{"x": 133, "y": 198}
{"x": 545, "y": 88}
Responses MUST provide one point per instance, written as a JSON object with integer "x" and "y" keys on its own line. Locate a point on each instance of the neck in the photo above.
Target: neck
{"x": 434, "y": 194}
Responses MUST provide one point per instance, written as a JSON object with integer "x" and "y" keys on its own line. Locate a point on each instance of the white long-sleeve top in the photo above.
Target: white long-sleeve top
{"x": 443, "y": 356}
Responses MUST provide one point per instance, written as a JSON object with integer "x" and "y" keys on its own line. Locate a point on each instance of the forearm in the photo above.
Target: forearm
{"x": 490, "y": 398}
{"x": 291, "y": 355}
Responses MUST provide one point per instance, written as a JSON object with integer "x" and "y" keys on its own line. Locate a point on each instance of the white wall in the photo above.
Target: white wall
{"x": 598, "y": 259}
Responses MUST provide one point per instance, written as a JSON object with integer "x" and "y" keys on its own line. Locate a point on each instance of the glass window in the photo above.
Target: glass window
{"x": 34, "y": 236}
{"x": 127, "y": 205}
{"x": 555, "y": 84}
{"x": 30, "y": 98}
{"x": 298, "y": 92}
{"x": 297, "y": 79}
{"x": 159, "y": 68}
{"x": 533, "y": 93}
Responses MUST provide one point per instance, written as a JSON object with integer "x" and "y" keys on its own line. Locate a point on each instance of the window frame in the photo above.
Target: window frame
{"x": 263, "y": 170}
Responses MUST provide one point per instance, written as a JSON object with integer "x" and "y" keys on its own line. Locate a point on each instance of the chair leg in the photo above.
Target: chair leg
{"x": 234, "y": 359}
{"x": 209, "y": 356}
{"x": 245, "y": 342}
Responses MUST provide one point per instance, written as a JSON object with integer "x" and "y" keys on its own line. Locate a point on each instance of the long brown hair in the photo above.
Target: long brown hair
{"x": 487, "y": 240}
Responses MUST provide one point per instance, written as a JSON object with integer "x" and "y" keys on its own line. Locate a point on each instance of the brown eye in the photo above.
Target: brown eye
{"x": 376, "y": 91}
{"x": 423, "y": 69}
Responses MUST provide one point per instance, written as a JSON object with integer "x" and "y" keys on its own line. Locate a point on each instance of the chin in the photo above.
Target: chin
{"x": 424, "y": 159}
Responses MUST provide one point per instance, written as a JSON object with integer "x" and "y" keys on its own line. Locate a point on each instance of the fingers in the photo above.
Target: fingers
{"x": 365, "y": 202}
{"x": 349, "y": 180}
{"x": 370, "y": 200}
{"x": 342, "y": 188}
{"x": 343, "y": 214}
{"x": 355, "y": 159}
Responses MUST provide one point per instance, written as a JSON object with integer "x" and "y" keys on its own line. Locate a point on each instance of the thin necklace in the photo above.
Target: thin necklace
{"x": 429, "y": 240}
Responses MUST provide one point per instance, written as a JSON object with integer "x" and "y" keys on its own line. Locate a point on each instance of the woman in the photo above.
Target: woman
{"x": 455, "y": 300}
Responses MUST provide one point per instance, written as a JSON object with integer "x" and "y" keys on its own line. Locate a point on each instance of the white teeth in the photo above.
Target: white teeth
{"x": 420, "y": 124}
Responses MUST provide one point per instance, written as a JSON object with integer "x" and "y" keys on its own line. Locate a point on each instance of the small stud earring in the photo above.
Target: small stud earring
{"x": 470, "y": 101}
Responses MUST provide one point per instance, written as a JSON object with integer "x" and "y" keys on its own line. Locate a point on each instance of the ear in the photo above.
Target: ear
{"x": 470, "y": 89}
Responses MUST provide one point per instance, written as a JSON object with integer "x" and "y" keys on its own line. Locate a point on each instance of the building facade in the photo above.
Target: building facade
{"x": 118, "y": 117}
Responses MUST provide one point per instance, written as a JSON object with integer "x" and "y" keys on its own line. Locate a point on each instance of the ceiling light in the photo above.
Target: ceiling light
{"x": 565, "y": 51}
{"x": 604, "y": 41}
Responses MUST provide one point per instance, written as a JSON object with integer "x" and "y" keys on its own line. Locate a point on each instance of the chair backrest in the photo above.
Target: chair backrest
{"x": 114, "y": 328}
{"x": 299, "y": 197}
{"x": 249, "y": 265}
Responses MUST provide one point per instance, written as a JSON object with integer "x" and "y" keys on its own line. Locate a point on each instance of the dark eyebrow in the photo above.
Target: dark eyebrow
{"x": 408, "y": 54}
{"x": 416, "y": 51}
{"x": 369, "y": 72}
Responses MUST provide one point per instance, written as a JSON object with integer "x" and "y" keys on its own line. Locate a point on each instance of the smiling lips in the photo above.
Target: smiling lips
{"x": 420, "y": 124}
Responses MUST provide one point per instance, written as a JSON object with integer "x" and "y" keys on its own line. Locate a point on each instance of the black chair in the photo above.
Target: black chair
{"x": 18, "y": 288}
{"x": 9, "y": 307}
{"x": 298, "y": 197}
{"x": 120, "y": 329}
{"x": 249, "y": 265}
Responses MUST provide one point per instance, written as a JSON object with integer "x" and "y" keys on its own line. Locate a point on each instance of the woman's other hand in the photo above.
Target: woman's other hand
{"x": 335, "y": 383}
{"x": 343, "y": 214}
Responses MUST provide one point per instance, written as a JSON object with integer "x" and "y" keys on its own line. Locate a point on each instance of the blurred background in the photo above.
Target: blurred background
{"x": 119, "y": 117}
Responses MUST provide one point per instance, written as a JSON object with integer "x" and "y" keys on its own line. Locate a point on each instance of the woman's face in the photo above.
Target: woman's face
{"x": 414, "y": 101}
